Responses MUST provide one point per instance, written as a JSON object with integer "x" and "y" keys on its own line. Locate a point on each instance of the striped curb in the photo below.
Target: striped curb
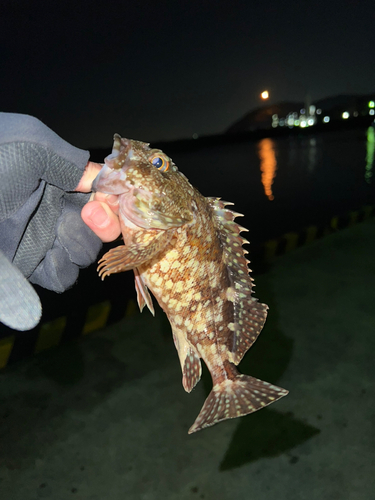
{"x": 295, "y": 239}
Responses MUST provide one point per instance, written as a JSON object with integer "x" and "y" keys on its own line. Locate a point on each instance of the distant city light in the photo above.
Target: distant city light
{"x": 264, "y": 94}
{"x": 307, "y": 116}
{"x": 195, "y": 135}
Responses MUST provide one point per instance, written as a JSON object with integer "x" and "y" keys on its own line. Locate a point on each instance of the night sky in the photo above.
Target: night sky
{"x": 168, "y": 69}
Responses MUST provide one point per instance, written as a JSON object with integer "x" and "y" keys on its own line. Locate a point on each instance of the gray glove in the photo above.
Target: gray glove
{"x": 41, "y": 230}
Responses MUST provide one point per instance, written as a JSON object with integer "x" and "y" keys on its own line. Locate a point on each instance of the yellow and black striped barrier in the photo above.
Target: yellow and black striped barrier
{"x": 48, "y": 334}
{"x": 51, "y": 333}
{"x": 292, "y": 240}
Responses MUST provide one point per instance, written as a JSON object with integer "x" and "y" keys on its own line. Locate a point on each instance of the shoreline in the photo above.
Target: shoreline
{"x": 190, "y": 144}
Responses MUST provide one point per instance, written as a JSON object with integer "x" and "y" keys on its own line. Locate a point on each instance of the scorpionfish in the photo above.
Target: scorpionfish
{"x": 187, "y": 250}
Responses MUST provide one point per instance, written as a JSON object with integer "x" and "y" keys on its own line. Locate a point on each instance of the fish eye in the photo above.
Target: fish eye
{"x": 160, "y": 162}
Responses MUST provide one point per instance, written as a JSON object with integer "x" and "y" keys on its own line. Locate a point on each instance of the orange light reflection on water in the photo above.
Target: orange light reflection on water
{"x": 268, "y": 165}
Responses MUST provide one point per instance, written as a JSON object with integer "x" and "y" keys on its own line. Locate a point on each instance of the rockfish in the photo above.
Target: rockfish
{"x": 187, "y": 250}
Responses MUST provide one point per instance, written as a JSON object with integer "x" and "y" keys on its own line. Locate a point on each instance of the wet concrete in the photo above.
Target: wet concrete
{"x": 106, "y": 417}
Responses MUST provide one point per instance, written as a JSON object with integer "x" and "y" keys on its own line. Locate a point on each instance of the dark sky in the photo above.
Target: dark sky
{"x": 163, "y": 70}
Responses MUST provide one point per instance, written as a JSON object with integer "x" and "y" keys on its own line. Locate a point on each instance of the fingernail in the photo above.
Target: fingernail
{"x": 99, "y": 217}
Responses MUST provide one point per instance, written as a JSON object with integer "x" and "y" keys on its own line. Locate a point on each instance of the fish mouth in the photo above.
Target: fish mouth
{"x": 112, "y": 177}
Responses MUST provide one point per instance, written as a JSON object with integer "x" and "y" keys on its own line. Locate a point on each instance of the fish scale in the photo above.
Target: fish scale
{"x": 187, "y": 250}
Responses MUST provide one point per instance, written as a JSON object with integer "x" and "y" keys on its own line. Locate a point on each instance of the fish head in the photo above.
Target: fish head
{"x": 152, "y": 192}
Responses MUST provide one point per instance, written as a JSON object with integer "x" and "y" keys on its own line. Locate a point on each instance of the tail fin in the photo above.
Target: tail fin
{"x": 235, "y": 398}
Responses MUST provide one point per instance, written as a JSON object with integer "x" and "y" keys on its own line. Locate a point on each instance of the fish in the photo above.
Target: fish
{"x": 187, "y": 250}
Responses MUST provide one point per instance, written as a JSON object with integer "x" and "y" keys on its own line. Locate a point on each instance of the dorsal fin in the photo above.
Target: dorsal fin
{"x": 249, "y": 315}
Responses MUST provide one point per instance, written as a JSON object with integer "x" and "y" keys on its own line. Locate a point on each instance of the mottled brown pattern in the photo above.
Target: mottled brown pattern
{"x": 187, "y": 250}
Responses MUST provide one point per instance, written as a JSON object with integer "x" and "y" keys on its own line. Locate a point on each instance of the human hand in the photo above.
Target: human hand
{"x": 101, "y": 212}
{"x": 42, "y": 235}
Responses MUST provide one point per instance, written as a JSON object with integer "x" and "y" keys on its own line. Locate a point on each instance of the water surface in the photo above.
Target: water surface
{"x": 288, "y": 183}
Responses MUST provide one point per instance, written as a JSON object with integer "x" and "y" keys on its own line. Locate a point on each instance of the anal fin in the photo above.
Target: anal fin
{"x": 191, "y": 371}
{"x": 189, "y": 359}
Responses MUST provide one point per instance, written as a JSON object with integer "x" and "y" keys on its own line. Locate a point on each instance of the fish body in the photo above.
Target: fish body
{"x": 187, "y": 250}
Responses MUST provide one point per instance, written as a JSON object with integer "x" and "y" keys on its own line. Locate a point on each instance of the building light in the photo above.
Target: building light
{"x": 303, "y": 123}
{"x": 355, "y": 113}
{"x": 318, "y": 111}
{"x": 345, "y": 115}
{"x": 275, "y": 120}
{"x": 312, "y": 109}
{"x": 326, "y": 119}
{"x": 296, "y": 123}
{"x": 371, "y": 112}
{"x": 310, "y": 122}
{"x": 371, "y": 104}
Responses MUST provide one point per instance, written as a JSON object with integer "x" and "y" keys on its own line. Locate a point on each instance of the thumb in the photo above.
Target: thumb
{"x": 100, "y": 219}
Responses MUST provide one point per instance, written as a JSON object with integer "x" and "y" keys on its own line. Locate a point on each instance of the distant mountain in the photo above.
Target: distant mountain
{"x": 261, "y": 118}
{"x": 353, "y": 103}
{"x": 343, "y": 101}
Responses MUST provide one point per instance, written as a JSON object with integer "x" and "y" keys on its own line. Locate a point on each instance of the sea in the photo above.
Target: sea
{"x": 286, "y": 184}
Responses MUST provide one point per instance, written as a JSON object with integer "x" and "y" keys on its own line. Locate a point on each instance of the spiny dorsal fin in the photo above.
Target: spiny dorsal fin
{"x": 249, "y": 315}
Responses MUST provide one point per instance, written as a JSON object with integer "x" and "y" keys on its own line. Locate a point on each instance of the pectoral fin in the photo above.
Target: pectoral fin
{"x": 145, "y": 245}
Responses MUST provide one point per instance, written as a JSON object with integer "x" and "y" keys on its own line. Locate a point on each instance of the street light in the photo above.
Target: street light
{"x": 264, "y": 95}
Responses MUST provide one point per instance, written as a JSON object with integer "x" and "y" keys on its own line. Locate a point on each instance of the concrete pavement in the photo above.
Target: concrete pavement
{"x": 106, "y": 417}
